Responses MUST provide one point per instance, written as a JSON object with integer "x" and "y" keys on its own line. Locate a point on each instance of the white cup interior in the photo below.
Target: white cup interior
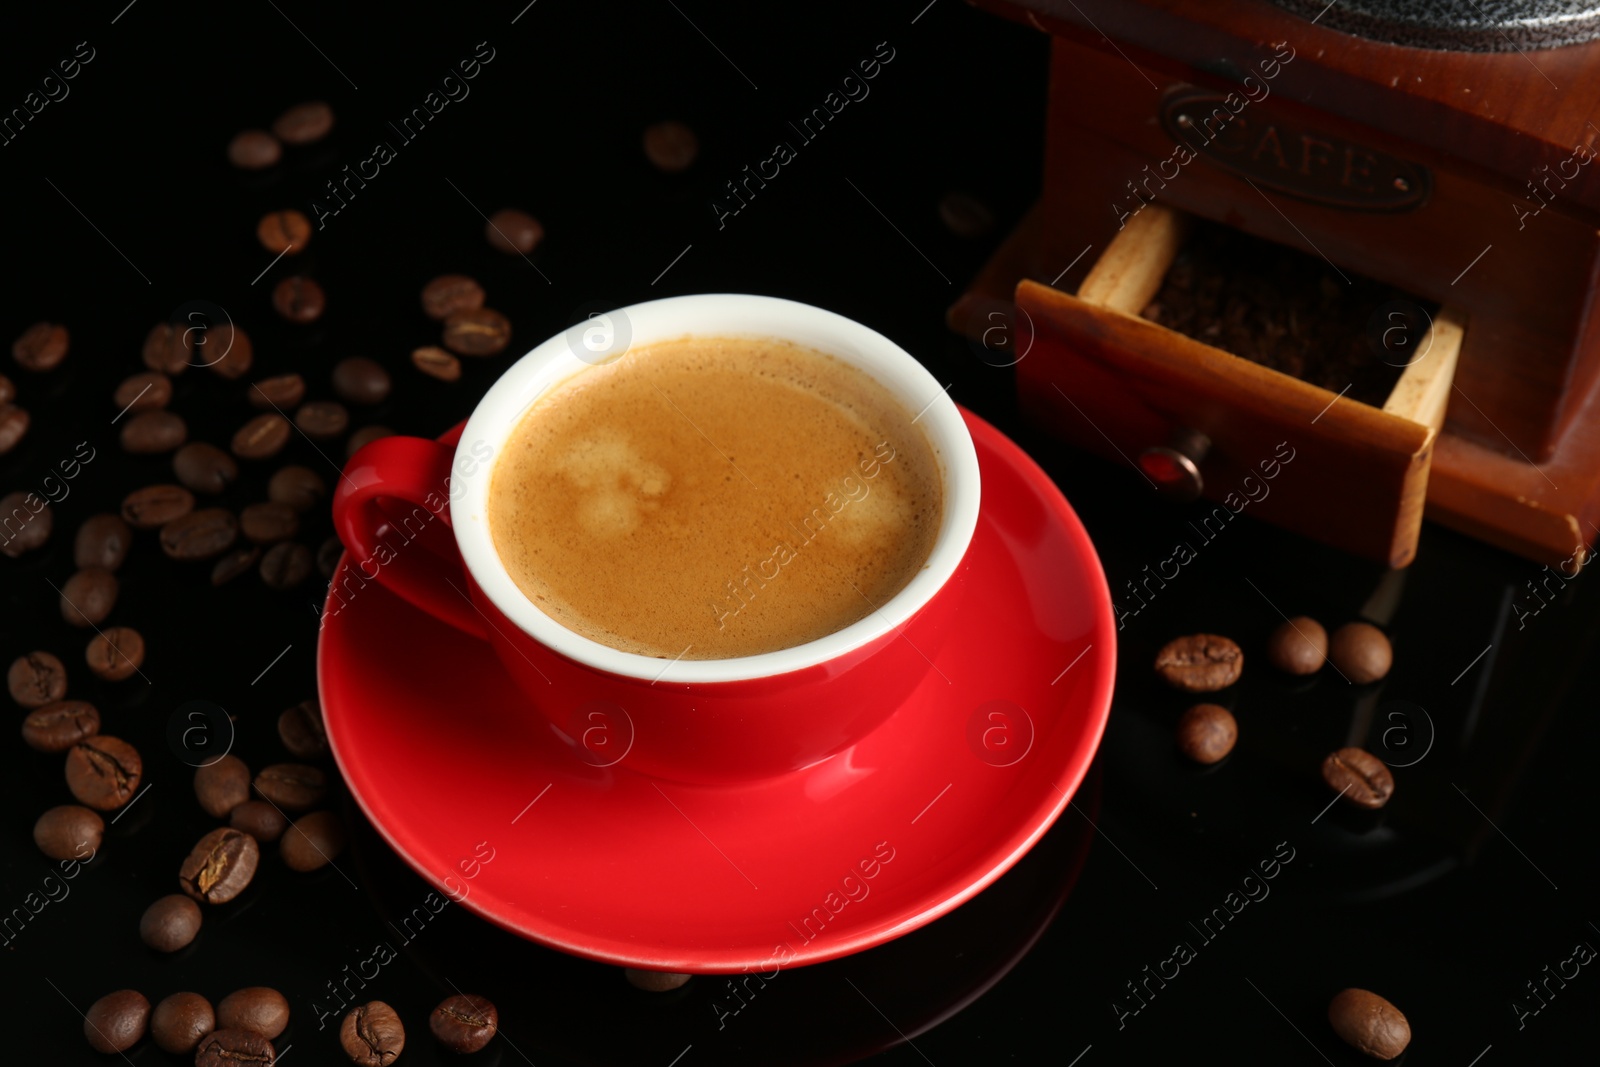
{"x": 583, "y": 346}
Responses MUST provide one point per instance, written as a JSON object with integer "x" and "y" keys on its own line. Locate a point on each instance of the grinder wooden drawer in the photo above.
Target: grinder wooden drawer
{"x": 1195, "y": 419}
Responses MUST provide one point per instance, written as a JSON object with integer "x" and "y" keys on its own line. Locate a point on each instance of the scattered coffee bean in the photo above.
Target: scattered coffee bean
{"x": 167, "y": 348}
{"x": 286, "y": 565}
{"x": 1200, "y": 663}
{"x": 200, "y": 534}
{"x": 312, "y": 841}
{"x": 328, "y": 556}
{"x": 278, "y": 394}
{"x": 27, "y": 523}
{"x": 965, "y": 216}
{"x": 254, "y": 150}
{"x": 1298, "y": 646}
{"x": 654, "y": 981}
{"x": 1360, "y": 777}
{"x": 481, "y": 332}
{"x": 170, "y": 923}
{"x": 154, "y": 506}
{"x": 299, "y": 299}
{"x": 260, "y": 820}
{"x": 204, "y": 467}
{"x": 292, "y": 786}
{"x": 284, "y": 232}
{"x": 322, "y": 419}
{"x": 222, "y": 786}
{"x": 1360, "y": 652}
{"x": 36, "y": 679}
{"x": 268, "y": 522}
{"x": 181, "y": 1020}
{"x": 360, "y": 380}
{"x": 1207, "y": 732}
{"x": 8, "y": 390}
{"x": 41, "y": 347}
{"x": 103, "y": 772}
{"x": 235, "y": 563}
{"x": 117, "y": 1021}
{"x": 57, "y": 727}
{"x": 69, "y": 832}
{"x": 670, "y": 146}
{"x": 14, "y": 423}
{"x": 220, "y": 866}
{"x": 116, "y": 653}
{"x": 304, "y": 123}
{"x": 301, "y": 488}
{"x": 372, "y": 1035}
{"x": 435, "y": 362}
{"x": 258, "y": 1008}
{"x": 464, "y": 1023}
{"x": 364, "y": 437}
{"x": 150, "y": 432}
{"x": 1367, "y": 1022}
{"x": 262, "y": 437}
{"x": 449, "y": 293}
{"x": 234, "y": 1048}
{"x": 226, "y": 349}
{"x": 513, "y": 232}
{"x": 146, "y": 391}
{"x": 102, "y": 541}
{"x": 88, "y": 596}
{"x": 301, "y": 731}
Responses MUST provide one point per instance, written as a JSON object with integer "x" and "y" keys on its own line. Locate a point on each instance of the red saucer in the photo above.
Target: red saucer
{"x": 470, "y": 788}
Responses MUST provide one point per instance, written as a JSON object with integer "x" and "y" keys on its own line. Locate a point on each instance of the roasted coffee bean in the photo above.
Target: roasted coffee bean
{"x": 1207, "y": 732}
{"x": 103, "y": 772}
{"x": 654, "y": 981}
{"x": 268, "y": 522}
{"x": 481, "y": 332}
{"x": 154, "y": 506}
{"x": 328, "y": 556}
{"x": 292, "y": 786}
{"x": 301, "y": 731}
{"x": 146, "y": 391}
{"x": 513, "y": 232}
{"x": 222, "y": 786}
{"x": 200, "y": 534}
{"x": 220, "y": 866}
{"x": 670, "y": 146}
{"x": 278, "y": 394}
{"x": 234, "y": 1048}
{"x": 41, "y": 347}
{"x": 1360, "y": 652}
{"x": 260, "y": 820}
{"x": 226, "y": 349}
{"x": 360, "y": 380}
{"x": 449, "y": 293}
{"x": 181, "y": 1020}
{"x": 299, "y": 487}
{"x": 1200, "y": 663}
{"x": 102, "y": 541}
{"x": 57, "y": 727}
{"x": 1298, "y": 646}
{"x": 170, "y": 923}
{"x": 465, "y": 1022}
{"x": 262, "y": 437}
{"x": 25, "y": 523}
{"x": 322, "y": 419}
{"x": 284, "y": 232}
{"x": 88, "y": 596}
{"x": 1367, "y": 1022}
{"x": 299, "y": 299}
{"x": 312, "y": 842}
{"x": 8, "y": 390}
{"x": 965, "y": 216}
{"x": 254, "y": 150}
{"x": 36, "y": 679}
{"x": 364, "y": 437}
{"x": 286, "y": 565}
{"x": 116, "y": 653}
{"x": 204, "y": 467}
{"x": 259, "y": 1008}
{"x": 372, "y": 1035}
{"x": 150, "y": 432}
{"x": 304, "y": 123}
{"x": 435, "y": 362}
{"x": 235, "y": 563}
{"x": 1360, "y": 777}
{"x": 14, "y": 423}
{"x": 167, "y": 348}
{"x": 69, "y": 832}
{"x": 117, "y": 1021}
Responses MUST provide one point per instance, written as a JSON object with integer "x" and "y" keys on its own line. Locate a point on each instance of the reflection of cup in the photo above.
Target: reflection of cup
{"x": 706, "y": 720}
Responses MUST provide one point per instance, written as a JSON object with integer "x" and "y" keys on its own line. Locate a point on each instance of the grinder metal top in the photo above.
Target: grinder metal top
{"x": 1459, "y": 25}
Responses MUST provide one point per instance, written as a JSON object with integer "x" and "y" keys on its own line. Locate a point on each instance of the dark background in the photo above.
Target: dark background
{"x": 121, "y": 208}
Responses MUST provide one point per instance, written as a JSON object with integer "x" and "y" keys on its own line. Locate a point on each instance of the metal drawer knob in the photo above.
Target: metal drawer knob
{"x": 1175, "y": 466}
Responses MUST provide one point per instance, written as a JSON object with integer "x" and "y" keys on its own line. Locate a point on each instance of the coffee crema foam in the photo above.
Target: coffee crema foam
{"x": 713, "y": 497}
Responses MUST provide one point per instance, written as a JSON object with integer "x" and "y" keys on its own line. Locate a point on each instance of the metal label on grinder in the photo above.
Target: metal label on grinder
{"x": 1291, "y": 159}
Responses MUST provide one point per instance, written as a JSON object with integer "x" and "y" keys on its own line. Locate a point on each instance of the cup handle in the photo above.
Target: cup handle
{"x": 391, "y": 492}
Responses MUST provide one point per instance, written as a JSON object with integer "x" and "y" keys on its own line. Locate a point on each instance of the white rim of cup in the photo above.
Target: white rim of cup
{"x": 715, "y": 315}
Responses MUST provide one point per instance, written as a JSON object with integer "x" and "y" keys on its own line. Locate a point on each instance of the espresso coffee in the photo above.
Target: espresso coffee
{"x": 714, "y": 497}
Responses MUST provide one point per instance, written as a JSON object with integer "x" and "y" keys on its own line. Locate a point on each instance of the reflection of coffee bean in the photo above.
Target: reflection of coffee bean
{"x": 670, "y": 146}
{"x": 1207, "y": 732}
{"x": 299, "y": 487}
{"x": 260, "y": 820}
{"x": 222, "y": 786}
{"x": 322, "y": 419}
{"x": 262, "y": 437}
{"x": 436, "y": 363}
{"x": 286, "y": 565}
{"x": 180, "y": 1021}
{"x": 254, "y": 150}
{"x": 328, "y": 556}
{"x": 151, "y": 432}
{"x": 102, "y": 541}
{"x": 103, "y": 772}
{"x": 304, "y": 123}
{"x": 220, "y": 866}
{"x": 654, "y": 981}
{"x": 24, "y": 528}
{"x": 69, "y": 832}
{"x": 301, "y": 731}
{"x": 1298, "y": 646}
{"x": 1360, "y": 776}
{"x": 259, "y": 1008}
{"x": 312, "y": 841}
{"x": 116, "y": 653}
{"x": 299, "y": 299}
{"x": 449, "y": 293}
{"x": 234, "y": 1048}
{"x": 36, "y": 679}
{"x": 146, "y": 391}
{"x": 292, "y": 786}
{"x": 268, "y": 522}
{"x": 1361, "y": 652}
{"x": 364, "y": 437}
{"x": 1200, "y": 663}
{"x": 41, "y": 347}
{"x": 280, "y": 393}
{"x": 360, "y": 380}
{"x": 1369, "y": 1023}
{"x": 200, "y": 534}
{"x": 965, "y": 216}
{"x": 480, "y": 332}
{"x": 170, "y": 923}
{"x": 88, "y": 597}
{"x": 513, "y": 232}
{"x": 116, "y": 1022}
{"x": 464, "y": 1023}
{"x": 372, "y": 1035}
{"x": 204, "y": 467}
{"x": 57, "y": 727}
{"x": 234, "y": 564}
{"x": 284, "y": 232}
{"x": 167, "y": 348}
